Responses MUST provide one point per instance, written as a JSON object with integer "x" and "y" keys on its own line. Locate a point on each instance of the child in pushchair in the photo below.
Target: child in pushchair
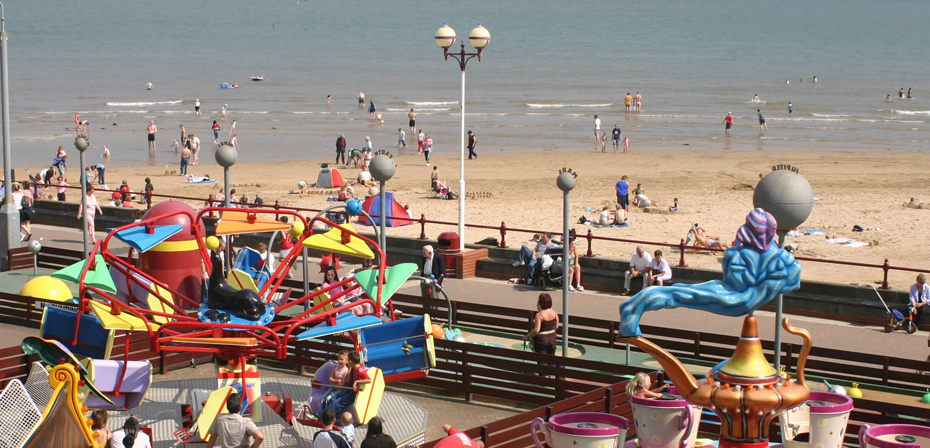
{"x": 549, "y": 271}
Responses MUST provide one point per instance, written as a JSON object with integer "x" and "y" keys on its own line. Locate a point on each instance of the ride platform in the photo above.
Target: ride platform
{"x": 161, "y": 410}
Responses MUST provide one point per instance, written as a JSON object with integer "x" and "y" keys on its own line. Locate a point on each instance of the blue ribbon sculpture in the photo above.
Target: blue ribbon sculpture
{"x": 755, "y": 270}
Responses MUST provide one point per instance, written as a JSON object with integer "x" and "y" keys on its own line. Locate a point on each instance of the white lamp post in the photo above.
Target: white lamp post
{"x": 566, "y": 182}
{"x": 479, "y": 38}
{"x": 9, "y": 217}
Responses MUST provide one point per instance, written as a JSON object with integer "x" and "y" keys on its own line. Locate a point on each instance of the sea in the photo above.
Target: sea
{"x": 550, "y": 66}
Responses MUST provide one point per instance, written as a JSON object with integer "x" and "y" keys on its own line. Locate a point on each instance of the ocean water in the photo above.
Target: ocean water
{"x": 551, "y": 65}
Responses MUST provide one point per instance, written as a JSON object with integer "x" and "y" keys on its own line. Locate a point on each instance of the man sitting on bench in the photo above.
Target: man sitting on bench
{"x": 531, "y": 257}
{"x": 640, "y": 263}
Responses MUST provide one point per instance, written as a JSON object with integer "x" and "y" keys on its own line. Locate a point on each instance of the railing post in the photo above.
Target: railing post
{"x": 486, "y": 435}
{"x": 607, "y": 400}
{"x": 589, "y": 237}
{"x": 885, "y": 268}
{"x": 503, "y": 243}
{"x": 681, "y": 261}
{"x": 422, "y": 226}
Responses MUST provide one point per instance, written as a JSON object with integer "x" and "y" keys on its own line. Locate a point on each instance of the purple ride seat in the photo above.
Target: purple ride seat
{"x": 136, "y": 382}
{"x": 321, "y": 379}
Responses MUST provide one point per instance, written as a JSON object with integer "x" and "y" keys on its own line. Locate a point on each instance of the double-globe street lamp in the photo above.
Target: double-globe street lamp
{"x": 479, "y": 38}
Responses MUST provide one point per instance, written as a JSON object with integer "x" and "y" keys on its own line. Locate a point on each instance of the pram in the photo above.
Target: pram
{"x": 549, "y": 275}
{"x": 897, "y": 319}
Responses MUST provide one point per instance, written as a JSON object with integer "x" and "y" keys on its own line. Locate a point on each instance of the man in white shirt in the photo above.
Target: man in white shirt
{"x": 597, "y": 128}
{"x": 232, "y": 430}
{"x": 329, "y": 437}
{"x": 920, "y": 297}
{"x": 661, "y": 272}
{"x": 639, "y": 267}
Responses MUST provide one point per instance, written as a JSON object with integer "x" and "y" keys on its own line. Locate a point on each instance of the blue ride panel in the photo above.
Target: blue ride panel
{"x": 94, "y": 341}
{"x": 344, "y": 322}
{"x": 397, "y": 346}
{"x": 141, "y": 240}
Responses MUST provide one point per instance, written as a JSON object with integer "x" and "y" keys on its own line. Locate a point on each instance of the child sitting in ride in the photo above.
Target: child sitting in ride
{"x": 330, "y": 277}
{"x": 338, "y": 399}
{"x": 639, "y": 387}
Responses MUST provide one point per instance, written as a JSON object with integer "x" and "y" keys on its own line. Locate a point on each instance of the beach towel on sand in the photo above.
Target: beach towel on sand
{"x": 198, "y": 180}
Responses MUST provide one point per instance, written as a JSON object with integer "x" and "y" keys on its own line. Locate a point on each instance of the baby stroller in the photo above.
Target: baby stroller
{"x": 548, "y": 272}
{"x": 897, "y": 319}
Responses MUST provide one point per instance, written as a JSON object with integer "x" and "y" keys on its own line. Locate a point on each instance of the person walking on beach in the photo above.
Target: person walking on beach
{"x": 639, "y": 102}
{"x": 412, "y": 116}
{"x": 790, "y": 108}
{"x": 185, "y": 159}
{"x": 597, "y": 129}
{"x": 728, "y": 121}
{"x": 626, "y": 144}
{"x": 371, "y": 109}
{"x": 628, "y": 102}
{"x": 151, "y": 130}
{"x": 183, "y": 137}
{"x": 216, "y": 132}
{"x": 623, "y": 192}
{"x": 223, "y": 111}
{"x": 197, "y": 107}
{"x": 401, "y": 138}
{"x": 106, "y": 154}
{"x": 232, "y": 128}
{"x": 194, "y": 144}
{"x": 472, "y": 142}
{"x": 420, "y": 138}
{"x": 341, "y": 149}
{"x": 427, "y": 147}
{"x": 616, "y": 134}
{"x": 762, "y": 125}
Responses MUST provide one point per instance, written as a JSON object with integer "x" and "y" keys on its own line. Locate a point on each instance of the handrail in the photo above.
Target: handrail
{"x": 885, "y": 266}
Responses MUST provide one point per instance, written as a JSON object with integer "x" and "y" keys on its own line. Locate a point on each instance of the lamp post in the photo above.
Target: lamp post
{"x": 9, "y": 218}
{"x": 382, "y": 168}
{"x": 479, "y": 38}
{"x": 566, "y": 182}
{"x": 226, "y": 156}
{"x": 788, "y": 197}
{"x": 82, "y": 142}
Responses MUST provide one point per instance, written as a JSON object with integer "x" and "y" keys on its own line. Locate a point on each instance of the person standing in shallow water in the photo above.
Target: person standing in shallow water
{"x": 728, "y": 121}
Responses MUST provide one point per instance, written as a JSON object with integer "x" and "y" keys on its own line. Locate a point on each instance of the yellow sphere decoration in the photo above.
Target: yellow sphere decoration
{"x": 47, "y": 288}
{"x": 212, "y": 242}
{"x": 297, "y": 229}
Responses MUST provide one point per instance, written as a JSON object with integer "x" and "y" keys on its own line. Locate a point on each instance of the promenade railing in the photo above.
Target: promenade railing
{"x": 589, "y": 237}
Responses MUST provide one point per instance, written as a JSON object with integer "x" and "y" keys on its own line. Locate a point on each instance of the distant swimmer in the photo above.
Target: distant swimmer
{"x": 762, "y": 124}
{"x": 909, "y": 93}
{"x": 888, "y": 98}
{"x": 151, "y": 130}
{"x": 787, "y": 81}
{"x": 639, "y": 102}
{"x": 329, "y": 100}
{"x": 628, "y": 102}
{"x": 790, "y": 107}
{"x": 361, "y": 98}
{"x": 197, "y": 107}
{"x": 413, "y": 121}
{"x": 815, "y": 80}
{"x": 755, "y": 98}
{"x": 148, "y": 86}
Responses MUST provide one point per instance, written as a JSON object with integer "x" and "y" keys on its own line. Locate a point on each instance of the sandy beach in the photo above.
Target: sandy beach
{"x": 714, "y": 188}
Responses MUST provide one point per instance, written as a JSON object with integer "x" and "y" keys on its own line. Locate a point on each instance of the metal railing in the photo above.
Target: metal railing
{"x": 503, "y": 230}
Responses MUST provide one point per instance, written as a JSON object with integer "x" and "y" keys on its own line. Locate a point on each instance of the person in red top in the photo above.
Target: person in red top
{"x": 338, "y": 398}
{"x": 728, "y": 121}
{"x": 457, "y": 439}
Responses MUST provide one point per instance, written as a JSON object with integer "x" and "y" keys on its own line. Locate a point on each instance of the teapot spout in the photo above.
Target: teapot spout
{"x": 676, "y": 371}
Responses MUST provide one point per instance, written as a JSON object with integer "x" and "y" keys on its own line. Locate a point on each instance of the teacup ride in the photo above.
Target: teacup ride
{"x": 581, "y": 430}
{"x": 667, "y": 422}
{"x": 821, "y": 420}
{"x": 894, "y": 436}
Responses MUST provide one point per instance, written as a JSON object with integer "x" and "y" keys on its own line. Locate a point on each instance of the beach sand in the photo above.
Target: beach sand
{"x": 715, "y": 189}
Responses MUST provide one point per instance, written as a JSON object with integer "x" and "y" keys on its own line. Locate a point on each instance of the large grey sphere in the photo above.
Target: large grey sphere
{"x": 81, "y": 144}
{"x": 35, "y": 246}
{"x": 382, "y": 168}
{"x": 226, "y": 156}
{"x": 566, "y": 181}
{"x": 787, "y": 196}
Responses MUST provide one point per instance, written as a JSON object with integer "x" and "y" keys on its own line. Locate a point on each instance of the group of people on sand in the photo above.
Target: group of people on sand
{"x": 600, "y": 138}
